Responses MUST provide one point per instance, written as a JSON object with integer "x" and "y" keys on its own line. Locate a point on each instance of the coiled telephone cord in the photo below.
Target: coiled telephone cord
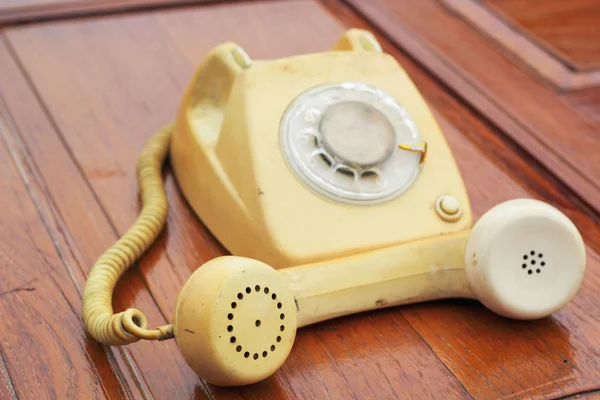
{"x": 131, "y": 325}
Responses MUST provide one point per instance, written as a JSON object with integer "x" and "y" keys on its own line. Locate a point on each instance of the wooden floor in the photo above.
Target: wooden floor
{"x": 514, "y": 84}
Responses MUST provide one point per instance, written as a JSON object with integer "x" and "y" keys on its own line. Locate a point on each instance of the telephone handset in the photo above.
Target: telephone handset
{"x": 329, "y": 180}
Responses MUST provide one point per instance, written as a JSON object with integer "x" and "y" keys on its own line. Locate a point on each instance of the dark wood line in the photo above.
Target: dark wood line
{"x": 135, "y": 372}
{"x": 540, "y": 59}
{"x": 115, "y": 367}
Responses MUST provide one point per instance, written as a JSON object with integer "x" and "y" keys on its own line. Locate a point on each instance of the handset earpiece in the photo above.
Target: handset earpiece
{"x": 525, "y": 259}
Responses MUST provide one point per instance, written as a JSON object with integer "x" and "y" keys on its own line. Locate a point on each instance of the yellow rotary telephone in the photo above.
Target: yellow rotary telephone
{"x": 329, "y": 180}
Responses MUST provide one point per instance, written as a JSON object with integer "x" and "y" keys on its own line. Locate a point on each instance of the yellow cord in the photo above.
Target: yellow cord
{"x": 131, "y": 325}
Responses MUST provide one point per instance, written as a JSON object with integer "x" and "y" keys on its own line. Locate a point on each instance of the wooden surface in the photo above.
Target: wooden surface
{"x": 79, "y": 98}
{"x": 569, "y": 30}
{"x": 529, "y": 45}
{"x": 21, "y": 11}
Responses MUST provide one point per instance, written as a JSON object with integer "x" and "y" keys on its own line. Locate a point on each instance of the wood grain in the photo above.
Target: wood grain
{"x": 558, "y": 71}
{"x": 44, "y": 351}
{"x": 88, "y": 232}
{"x": 23, "y": 11}
{"x": 7, "y": 388}
{"x": 594, "y": 395}
{"x": 100, "y": 87}
{"x": 529, "y": 113}
{"x": 588, "y": 101}
{"x": 568, "y": 29}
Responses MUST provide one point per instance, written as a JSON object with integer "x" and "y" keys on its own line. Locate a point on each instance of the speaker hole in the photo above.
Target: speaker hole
{"x": 273, "y": 296}
{"x": 265, "y": 353}
{"x": 238, "y": 348}
{"x": 248, "y": 290}
{"x": 538, "y": 271}
{"x": 229, "y": 328}
{"x": 532, "y": 253}
{"x": 233, "y": 305}
{"x": 272, "y": 347}
{"x": 278, "y": 305}
{"x": 240, "y": 296}
{"x": 278, "y": 339}
{"x": 543, "y": 263}
{"x": 255, "y": 356}
{"x": 257, "y": 323}
{"x": 525, "y": 257}
{"x": 266, "y": 290}
{"x": 532, "y": 262}
{"x": 281, "y": 316}
{"x": 540, "y": 255}
{"x": 257, "y": 288}
{"x": 282, "y": 328}
{"x": 530, "y": 272}
{"x": 233, "y": 339}
{"x": 230, "y": 316}
{"x": 524, "y": 266}
{"x": 246, "y": 355}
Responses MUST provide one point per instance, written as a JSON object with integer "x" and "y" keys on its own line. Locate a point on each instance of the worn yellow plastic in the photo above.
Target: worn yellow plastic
{"x": 226, "y": 156}
{"x": 236, "y": 318}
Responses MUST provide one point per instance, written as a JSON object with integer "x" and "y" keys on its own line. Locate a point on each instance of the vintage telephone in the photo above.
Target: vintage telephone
{"x": 328, "y": 178}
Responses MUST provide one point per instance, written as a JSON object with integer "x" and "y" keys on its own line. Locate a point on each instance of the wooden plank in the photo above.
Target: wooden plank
{"x": 21, "y": 11}
{"x": 7, "y": 388}
{"x": 530, "y": 51}
{"x": 121, "y": 91}
{"x": 75, "y": 214}
{"x": 588, "y": 101}
{"x": 567, "y": 29}
{"x": 43, "y": 345}
{"x": 528, "y": 112}
{"x": 12, "y": 4}
{"x": 134, "y": 97}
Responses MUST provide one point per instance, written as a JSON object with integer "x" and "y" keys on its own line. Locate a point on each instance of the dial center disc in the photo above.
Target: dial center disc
{"x": 357, "y": 133}
{"x": 342, "y": 140}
